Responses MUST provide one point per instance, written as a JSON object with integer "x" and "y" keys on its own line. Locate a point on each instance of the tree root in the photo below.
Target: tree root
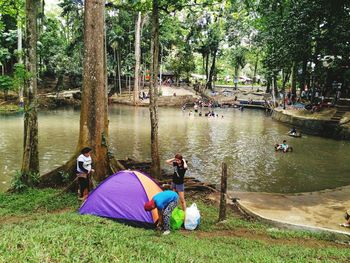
{"x": 191, "y": 184}
{"x": 65, "y": 176}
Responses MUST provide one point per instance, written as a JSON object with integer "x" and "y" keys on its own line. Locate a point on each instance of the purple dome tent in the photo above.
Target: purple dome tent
{"x": 121, "y": 197}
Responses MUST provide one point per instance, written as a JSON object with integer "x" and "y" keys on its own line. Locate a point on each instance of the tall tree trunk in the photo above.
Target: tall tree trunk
{"x": 275, "y": 86}
{"x": 94, "y": 112}
{"x": 119, "y": 75}
{"x": 211, "y": 72}
{"x": 207, "y": 67}
{"x": 303, "y": 76}
{"x": 203, "y": 61}
{"x": 93, "y": 120}
{"x": 19, "y": 50}
{"x": 30, "y": 161}
{"x": 40, "y": 28}
{"x": 294, "y": 78}
{"x": 236, "y": 76}
{"x": 285, "y": 78}
{"x": 115, "y": 73}
{"x": 137, "y": 57}
{"x": 255, "y": 67}
{"x": 153, "y": 91}
{"x": 268, "y": 85}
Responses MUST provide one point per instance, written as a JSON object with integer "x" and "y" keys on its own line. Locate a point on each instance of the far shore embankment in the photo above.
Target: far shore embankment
{"x": 318, "y": 123}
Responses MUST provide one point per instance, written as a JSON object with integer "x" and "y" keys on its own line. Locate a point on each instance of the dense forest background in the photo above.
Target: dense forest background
{"x": 294, "y": 44}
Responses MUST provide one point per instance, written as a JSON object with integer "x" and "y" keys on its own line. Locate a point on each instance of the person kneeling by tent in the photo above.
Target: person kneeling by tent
{"x": 165, "y": 202}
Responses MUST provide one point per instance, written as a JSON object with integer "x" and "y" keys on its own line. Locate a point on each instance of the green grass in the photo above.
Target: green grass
{"x": 39, "y": 226}
{"x": 10, "y": 108}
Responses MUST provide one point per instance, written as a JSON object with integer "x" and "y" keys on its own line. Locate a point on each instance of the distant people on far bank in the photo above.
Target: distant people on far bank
{"x": 143, "y": 96}
{"x": 195, "y": 107}
{"x": 21, "y": 102}
{"x": 180, "y": 167}
{"x": 84, "y": 171}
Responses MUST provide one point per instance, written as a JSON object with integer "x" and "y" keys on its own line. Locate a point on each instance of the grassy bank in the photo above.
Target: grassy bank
{"x": 9, "y": 108}
{"x": 41, "y": 226}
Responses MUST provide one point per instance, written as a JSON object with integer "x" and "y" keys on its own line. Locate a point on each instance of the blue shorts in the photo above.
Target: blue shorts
{"x": 178, "y": 187}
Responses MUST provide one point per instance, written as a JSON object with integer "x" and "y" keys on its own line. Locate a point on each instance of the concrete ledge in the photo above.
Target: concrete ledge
{"x": 339, "y": 235}
{"x": 322, "y": 127}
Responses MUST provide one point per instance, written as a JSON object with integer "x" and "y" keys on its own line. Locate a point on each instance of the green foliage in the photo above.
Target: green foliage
{"x": 32, "y": 201}
{"x": 6, "y": 83}
{"x": 66, "y": 177}
{"x": 303, "y": 32}
{"x": 10, "y": 108}
{"x": 21, "y": 182}
{"x": 182, "y": 64}
{"x": 238, "y": 58}
{"x": 20, "y": 76}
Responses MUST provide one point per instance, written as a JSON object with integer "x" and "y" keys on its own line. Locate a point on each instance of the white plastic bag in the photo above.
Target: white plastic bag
{"x": 192, "y": 217}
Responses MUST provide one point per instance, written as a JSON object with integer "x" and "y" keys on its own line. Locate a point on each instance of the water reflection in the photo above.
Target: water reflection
{"x": 242, "y": 139}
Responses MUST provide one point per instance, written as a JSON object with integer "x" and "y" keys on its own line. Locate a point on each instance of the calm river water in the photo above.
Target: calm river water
{"x": 242, "y": 139}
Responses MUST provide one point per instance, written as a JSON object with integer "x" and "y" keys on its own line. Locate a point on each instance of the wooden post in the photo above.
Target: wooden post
{"x": 222, "y": 214}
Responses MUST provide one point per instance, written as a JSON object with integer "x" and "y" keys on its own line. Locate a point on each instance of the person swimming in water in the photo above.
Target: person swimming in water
{"x": 283, "y": 146}
{"x": 293, "y": 131}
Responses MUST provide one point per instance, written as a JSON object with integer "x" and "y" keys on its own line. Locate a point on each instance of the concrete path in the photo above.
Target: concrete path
{"x": 323, "y": 210}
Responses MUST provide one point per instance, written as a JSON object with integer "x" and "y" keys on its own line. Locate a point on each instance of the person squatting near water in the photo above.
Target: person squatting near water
{"x": 180, "y": 168}
{"x": 84, "y": 170}
{"x": 165, "y": 202}
{"x": 347, "y": 218}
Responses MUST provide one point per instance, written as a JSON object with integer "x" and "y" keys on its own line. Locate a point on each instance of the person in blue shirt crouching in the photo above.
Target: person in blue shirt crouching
{"x": 165, "y": 202}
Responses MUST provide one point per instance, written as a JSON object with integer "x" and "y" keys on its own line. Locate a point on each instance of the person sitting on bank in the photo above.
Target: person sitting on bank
{"x": 283, "y": 146}
{"x": 165, "y": 202}
{"x": 180, "y": 168}
{"x": 84, "y": 170}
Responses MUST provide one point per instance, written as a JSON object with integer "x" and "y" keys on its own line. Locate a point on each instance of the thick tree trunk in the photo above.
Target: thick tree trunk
{"x": 30, "y": 161}
{"x": 94, "y": 115}
{"x": 93, "y": 119}
{"x": 153, "y": 91}
{"x": 137, "y": 58}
